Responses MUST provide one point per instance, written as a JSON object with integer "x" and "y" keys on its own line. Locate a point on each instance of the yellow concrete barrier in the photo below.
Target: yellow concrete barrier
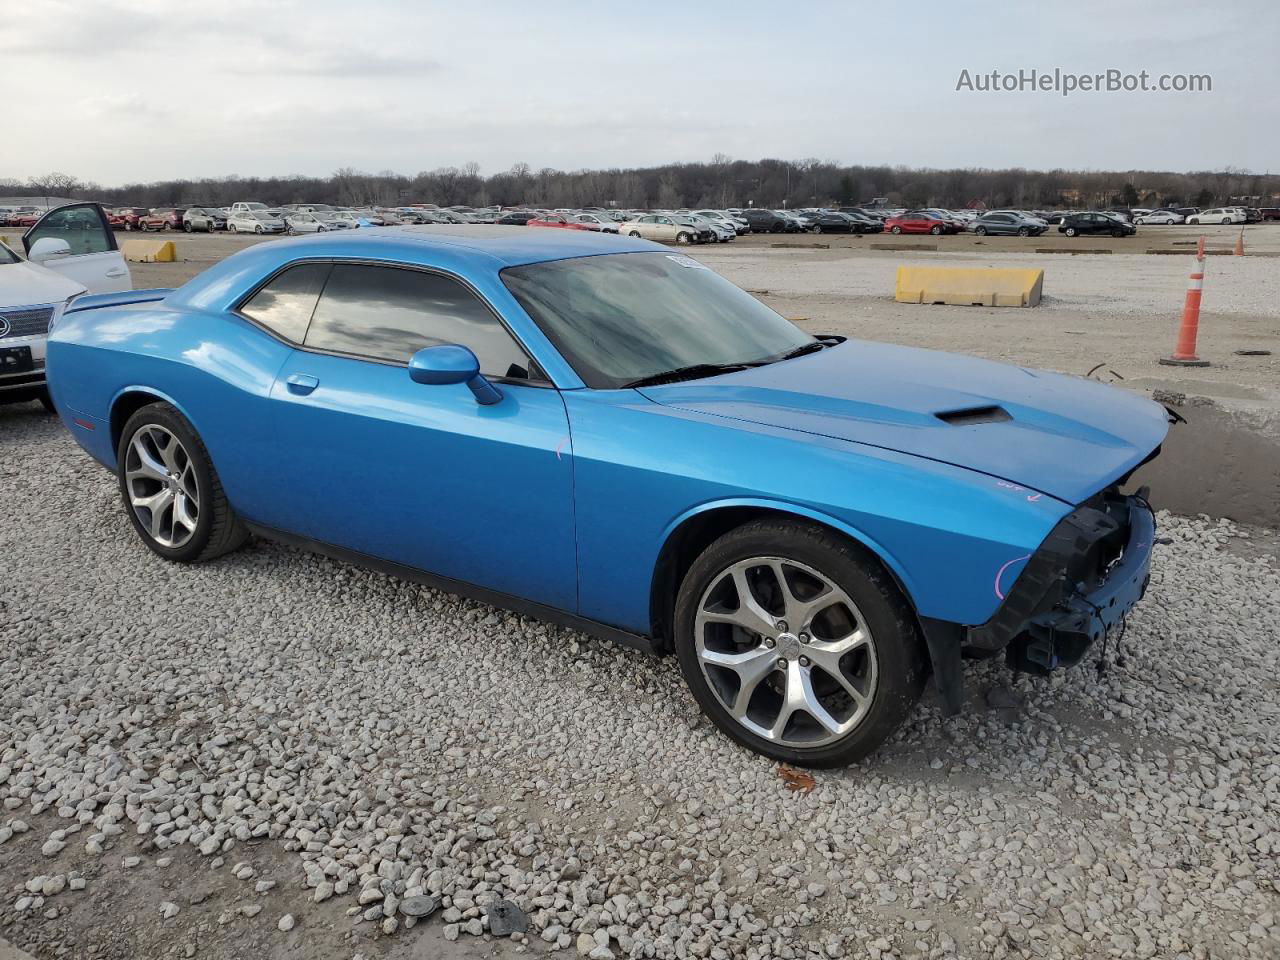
{"x": 148, "y": 251}
{"x": 988, "y": 287}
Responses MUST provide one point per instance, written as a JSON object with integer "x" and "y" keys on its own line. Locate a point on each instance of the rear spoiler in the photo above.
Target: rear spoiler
{"x": 96, "y": 300}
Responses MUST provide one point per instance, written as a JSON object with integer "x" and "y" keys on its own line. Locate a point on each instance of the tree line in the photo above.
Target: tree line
{"x": 721, "y": 182}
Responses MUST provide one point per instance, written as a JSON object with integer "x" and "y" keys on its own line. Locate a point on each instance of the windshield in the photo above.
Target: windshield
{"x": 625, "y": 316}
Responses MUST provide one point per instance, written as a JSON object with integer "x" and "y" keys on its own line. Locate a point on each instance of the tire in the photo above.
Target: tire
{"x": 895, "y": 229}
{"x": 188, "y": 228}
{"x": 1024, "y": 232}
{"x": 1070, "y": 231}
{"x": 935, "y": 230}
{"x": 634, "y": 233}
{"x": 258, "y": 228}
{"x": 216, "y": 530}
{"x": 167, "y": 226}
{"x": 1225, "y": 221}
{"x": 232, "y": 228}
{"x": 46, "y": 401}
{"x": 891, "y": 663}
{"x": 128, "y": 227}
{"x": 1117, "y": 233}
{"x": 980, "y": 231}
{"x": 684, "y": 237}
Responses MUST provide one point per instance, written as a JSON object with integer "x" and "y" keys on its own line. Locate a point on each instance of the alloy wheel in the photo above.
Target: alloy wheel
{"x": 786, "y": 652}
{"x": 161, "y": 483}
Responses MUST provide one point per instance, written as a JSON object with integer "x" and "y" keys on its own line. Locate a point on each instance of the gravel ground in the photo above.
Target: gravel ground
{"x": 179, "y": 737}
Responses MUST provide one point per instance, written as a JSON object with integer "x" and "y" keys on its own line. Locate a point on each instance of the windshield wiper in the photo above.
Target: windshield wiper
{"x": 812, "y": 347}
{"x": 691, "y": 372}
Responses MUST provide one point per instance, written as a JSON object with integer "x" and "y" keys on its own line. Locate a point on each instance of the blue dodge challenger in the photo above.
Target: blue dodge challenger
{"x": 602, "y": 432}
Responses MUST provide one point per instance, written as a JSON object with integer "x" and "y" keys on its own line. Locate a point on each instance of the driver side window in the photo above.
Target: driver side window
{"x": 389, "y": 313}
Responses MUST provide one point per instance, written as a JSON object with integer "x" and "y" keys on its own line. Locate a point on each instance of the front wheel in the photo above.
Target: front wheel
{"x": 188, "y": 227}
{"x": 1024, "y": 232}
{"x": 1225, "y": 221}
{"x": 232, "y": 228}
{"x": 257, "y": 229}
{"x": 796, "y": 644}
{"x": 170, "y": 490}
{"x": 1070, "y": 231}
{"x": 896, "y": 230}
{"x": 980, "y": 231}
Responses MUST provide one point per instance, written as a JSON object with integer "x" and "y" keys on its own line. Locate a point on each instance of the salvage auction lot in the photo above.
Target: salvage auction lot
{"x": 299, "y": 711}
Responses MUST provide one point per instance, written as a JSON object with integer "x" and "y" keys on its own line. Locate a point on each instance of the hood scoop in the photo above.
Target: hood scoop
{"x": 972, "y": 416}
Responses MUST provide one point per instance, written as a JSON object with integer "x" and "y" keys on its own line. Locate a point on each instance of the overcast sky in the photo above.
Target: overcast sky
{"x": 120, "y": 91}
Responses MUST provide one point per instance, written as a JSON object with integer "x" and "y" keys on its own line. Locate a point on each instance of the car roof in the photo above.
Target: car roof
{"x": 464, "y": 249}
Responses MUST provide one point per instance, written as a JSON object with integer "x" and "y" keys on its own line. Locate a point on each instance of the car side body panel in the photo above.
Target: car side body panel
{"x": 641, "y": 468}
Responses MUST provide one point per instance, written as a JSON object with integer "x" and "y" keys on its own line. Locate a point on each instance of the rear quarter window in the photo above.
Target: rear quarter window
{"x": 286, "y": 302}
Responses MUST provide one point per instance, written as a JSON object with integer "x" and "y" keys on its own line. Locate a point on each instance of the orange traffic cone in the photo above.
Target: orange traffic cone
{"x": 1184, "y": 354}
{"x": 1240, "y": 243}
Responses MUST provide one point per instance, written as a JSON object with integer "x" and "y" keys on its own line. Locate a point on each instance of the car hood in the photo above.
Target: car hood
{"x": 25, "y": 284}
{"x": 1056, "y": 434}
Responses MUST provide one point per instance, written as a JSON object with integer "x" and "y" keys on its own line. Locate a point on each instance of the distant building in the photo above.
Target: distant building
{"x": 40, "y": 203}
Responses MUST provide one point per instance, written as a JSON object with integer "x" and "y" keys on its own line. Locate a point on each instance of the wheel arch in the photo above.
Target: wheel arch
{"x": 693, "y": 531}
{"x": 128, "y": 401}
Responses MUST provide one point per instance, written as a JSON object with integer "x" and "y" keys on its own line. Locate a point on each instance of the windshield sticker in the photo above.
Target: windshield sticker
{"x": 684, "y": 261}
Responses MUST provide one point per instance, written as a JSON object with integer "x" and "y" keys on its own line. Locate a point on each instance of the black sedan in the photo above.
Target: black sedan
{"x": 766, "y": 221}
{"x": 1006, "y": 225}
{"x": 825, "y": 221}
{"x": 1093, "y": 222}
{"x": 517, "y": 218}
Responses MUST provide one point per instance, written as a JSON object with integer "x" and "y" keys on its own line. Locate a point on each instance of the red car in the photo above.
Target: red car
{"x": 557, "y": 220}
{"x": 162, "y": 218}
{"x": 129, "y": 216}
{"x": 918, "y": 223}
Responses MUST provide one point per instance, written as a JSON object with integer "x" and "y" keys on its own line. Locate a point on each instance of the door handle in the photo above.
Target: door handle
{"x": 301, "y": 384}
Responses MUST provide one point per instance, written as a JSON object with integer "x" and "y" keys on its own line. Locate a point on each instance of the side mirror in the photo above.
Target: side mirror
{"x": 48, "y": 248}
{"x": 452, "y": 363}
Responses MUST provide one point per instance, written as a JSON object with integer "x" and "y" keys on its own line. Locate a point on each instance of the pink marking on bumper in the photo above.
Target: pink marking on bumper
{"x": 1000, "y": 572}
{"x": 560, "y": 446}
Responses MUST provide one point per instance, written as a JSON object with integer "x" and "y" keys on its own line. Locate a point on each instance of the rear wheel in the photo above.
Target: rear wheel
{"x": 634, "y": 233}
{"x": 46, "y": 401}
{"x": 935, "y": 230}
{"x": 1070, "y": 231}
{"x": 683, "y": 237}
{"x": 980, "y": 231}
{"x": 796, "y": 644}
{"x": 170, "y": 490}
{"x": 258, "y": 229}
{"x": 896, "y": 230}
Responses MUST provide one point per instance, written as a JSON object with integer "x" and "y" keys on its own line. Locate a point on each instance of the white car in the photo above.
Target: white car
{"x": 299, "y": 222}
{"x": 724, "y": 231}
{"x": 596, "y": 221}
{"x": 70, "y": 251}
{"x": 253, "y": 221}
{"x": 1161, "y": 217}
{"x": 1218, "y": 215}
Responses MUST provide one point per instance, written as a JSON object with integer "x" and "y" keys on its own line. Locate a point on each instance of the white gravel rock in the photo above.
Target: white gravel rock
{"x": 1132, "y": 813}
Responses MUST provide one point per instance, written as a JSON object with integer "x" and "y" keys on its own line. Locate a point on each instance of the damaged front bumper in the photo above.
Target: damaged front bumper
{"x": 1078, "y": 586}
{"x": 1089, "y": 572}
